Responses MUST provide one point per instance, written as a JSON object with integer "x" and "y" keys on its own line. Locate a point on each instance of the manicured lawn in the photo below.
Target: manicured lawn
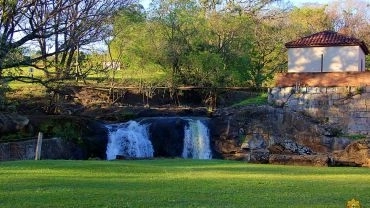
{"x": 178, "y": 183}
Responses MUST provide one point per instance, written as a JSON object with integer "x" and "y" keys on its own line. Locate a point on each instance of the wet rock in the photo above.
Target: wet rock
{"x": 166, "y": 135}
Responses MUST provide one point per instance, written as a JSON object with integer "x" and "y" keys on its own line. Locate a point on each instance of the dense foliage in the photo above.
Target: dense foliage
{"x": 223, "y": 43}
{"x": 203, "y": 43}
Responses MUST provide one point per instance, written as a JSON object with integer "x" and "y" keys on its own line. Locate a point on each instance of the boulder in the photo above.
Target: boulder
{"x": 289, "y": 147}
{"x": 226, "y": 146}
{"x": 259, "y": 156}
{"x": 255, "y": 141}
{"x": 355, "y": 154}
{"x": 305, "y": 160}
{"x": 238, "y": 155}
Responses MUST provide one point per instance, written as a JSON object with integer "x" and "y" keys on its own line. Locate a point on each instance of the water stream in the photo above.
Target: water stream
{"x": 134, "y": 139}
{"x": 196, "y": 141}
{"x": 129, "y": 140}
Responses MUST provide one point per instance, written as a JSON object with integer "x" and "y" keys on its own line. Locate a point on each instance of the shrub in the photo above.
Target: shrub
{"x": 63, "y": 128}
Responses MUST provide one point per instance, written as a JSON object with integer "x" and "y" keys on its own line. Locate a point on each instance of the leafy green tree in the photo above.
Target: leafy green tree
{"x": 306, "y": 21}
{"x": 211, "y": 44}
{"x": 177, "y": 28}
{"x": 136, "y": 44}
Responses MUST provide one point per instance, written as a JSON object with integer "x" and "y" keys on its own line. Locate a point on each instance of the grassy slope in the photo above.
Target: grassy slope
{"x": 261, "y": 99}
{"x": 177, "y": 183}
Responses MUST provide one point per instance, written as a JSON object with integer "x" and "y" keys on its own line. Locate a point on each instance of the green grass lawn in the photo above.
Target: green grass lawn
{"x": 178, "y": 183}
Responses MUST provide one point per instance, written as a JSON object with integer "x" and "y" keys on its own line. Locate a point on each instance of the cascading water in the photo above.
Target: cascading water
{"x": 129, "y": 140}
{"x": 166, "y": 136}
{"x": 196, "y": 141}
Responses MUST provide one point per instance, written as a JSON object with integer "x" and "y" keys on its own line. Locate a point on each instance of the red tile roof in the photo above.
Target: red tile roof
{"x": 327, "y": 38}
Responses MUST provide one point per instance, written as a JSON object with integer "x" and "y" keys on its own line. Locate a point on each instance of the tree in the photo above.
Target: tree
{"x": 262, "y": 55}
{"x": 352, "y": 18}
{"x": 221, "y": 31}
{"x": 176, "y": 27}
{"x": 307, "y": 20}
{"x": 57, "y": 27}
{"x": 210, "y": 44}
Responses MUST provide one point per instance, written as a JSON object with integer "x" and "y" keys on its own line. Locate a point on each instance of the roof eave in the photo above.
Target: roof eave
{"x": 362, "y": 46}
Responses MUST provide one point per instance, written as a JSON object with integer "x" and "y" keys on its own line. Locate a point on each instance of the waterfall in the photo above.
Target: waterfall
{"x": 186, "y": 137}
{"x": 196, "y": 141}
{"x": 129, "y": 140}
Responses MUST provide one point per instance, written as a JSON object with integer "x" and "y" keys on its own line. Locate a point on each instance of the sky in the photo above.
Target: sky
{"x": 297, "y": 3}
{"x": 300, "y": 2}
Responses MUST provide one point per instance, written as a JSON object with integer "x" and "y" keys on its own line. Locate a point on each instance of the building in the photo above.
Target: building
{"x": 112, "y": 65}
{"x": 326, "y": 51}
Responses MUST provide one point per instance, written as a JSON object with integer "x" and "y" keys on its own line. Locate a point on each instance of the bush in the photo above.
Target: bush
{"x": 63, "y": 128}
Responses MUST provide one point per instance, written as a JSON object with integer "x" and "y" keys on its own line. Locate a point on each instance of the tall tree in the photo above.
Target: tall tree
{"x": 350, "y": 16}
{"x": 177, "y": 28}
{"x": 307, "y": 20}
{"x": 57, "y": 27}
{"x": 211, "y": 43}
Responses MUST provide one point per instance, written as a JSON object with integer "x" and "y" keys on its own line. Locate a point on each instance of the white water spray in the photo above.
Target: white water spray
{"x": 129, "y": 140}
{"x": 196, "y": 141}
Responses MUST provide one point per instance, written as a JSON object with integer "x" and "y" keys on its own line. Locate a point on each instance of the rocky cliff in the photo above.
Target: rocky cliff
{"x": 12, "y": 122}
{"x": 266, "y": 134}
{"x": 261, "y": 134}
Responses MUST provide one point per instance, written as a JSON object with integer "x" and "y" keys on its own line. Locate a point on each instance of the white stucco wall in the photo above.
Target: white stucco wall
{"x": 361, "y": 63}
{"x": 335, "y": 59}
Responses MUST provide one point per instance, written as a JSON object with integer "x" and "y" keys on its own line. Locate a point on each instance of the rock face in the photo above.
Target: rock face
{"x": 259, "y": 134}
{"x": 166, "y": 136}
{"x": 88, "y": 141}
{"x": 266, "y": 134}
{"x": 10, "y": 123}
{"x": 55, "y": 148}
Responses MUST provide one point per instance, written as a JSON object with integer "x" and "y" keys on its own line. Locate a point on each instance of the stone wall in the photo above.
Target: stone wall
{"x": 323, "y": 79}
{"x": 347, "y": 108}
